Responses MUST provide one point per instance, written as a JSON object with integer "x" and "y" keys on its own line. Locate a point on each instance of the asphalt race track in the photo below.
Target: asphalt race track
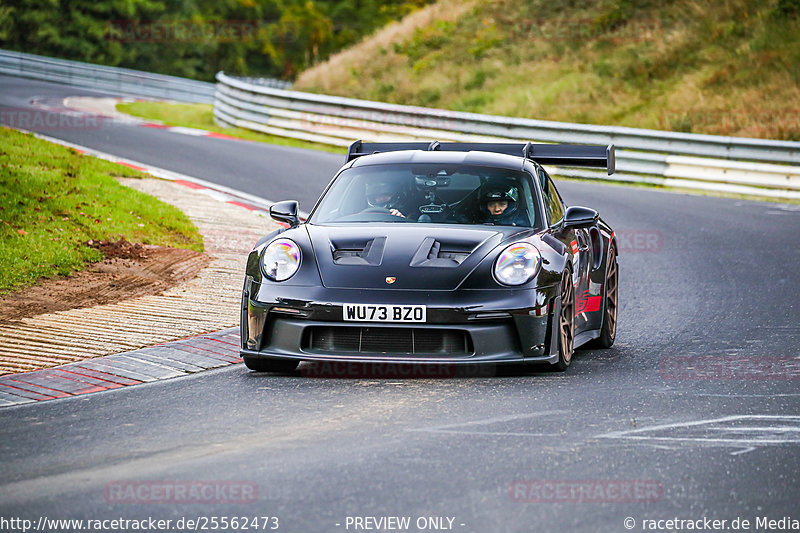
{"x": 693, "y": 414}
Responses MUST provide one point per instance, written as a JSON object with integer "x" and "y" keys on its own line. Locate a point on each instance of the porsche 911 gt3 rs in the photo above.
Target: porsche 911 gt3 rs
{"x": 435, "y": 253}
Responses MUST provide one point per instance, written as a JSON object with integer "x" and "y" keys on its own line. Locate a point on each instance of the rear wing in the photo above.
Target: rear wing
{"x": 569, "y": 155}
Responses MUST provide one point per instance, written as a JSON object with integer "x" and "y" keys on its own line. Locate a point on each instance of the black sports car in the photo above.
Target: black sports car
{"x": 435, "y": 253}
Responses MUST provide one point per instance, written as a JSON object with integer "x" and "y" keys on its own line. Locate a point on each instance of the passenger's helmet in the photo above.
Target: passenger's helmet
{"x": 385, "y": 194}
{"x": 497, "y": 193}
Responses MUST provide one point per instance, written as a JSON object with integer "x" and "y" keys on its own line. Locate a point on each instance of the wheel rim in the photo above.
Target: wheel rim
{"x": 611, "y": 294}
{"x": 567, "y": 318}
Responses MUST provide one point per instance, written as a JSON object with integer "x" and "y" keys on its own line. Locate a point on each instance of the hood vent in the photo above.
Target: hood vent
{"x": 434, "y": 253}
{"x": 358, "y": 252}
{"x": 362, "y": 256}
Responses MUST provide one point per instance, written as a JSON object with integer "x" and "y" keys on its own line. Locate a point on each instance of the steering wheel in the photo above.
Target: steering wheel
{"x": 376, "y": 211}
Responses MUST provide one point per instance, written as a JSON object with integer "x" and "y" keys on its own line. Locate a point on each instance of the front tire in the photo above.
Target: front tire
{"x": 280, "y": 366}
{"x": 566, "y": 323}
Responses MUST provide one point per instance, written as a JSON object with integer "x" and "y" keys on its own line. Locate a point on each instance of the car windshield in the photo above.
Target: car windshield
{"x": 432, "y": 193}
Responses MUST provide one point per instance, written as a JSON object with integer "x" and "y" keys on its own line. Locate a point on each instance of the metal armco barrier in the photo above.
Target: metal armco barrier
{"x": 710, "y": 162}
{"x": 112, "y": 79}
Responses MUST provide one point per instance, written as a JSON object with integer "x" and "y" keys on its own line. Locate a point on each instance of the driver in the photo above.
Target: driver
{"x": 499, "y": 206}
{"x": 384, "y": 195}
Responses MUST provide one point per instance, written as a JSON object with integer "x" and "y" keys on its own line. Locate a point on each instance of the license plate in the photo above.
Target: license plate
{"x": 384, "y": 313}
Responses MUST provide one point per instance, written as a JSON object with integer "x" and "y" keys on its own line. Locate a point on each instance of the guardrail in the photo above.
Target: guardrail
{"x": 112, "y": 79}
{"x": 710, "y": 162}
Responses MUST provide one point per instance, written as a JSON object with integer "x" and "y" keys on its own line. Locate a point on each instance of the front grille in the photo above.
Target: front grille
{"x": 382, "y": 340}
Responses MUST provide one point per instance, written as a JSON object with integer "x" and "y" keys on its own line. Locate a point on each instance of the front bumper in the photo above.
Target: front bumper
{"x": 463, "y": 327}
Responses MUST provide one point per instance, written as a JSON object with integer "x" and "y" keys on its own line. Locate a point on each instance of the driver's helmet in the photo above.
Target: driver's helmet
{"x": 384, "y": 194}
{"x": 496, "y": 193}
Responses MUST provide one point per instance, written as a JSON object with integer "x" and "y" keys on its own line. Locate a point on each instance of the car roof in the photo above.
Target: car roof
{"x": 477, "y": 158}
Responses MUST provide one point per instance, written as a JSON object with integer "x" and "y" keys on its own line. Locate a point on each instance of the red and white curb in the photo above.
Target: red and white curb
{"x": 106, "y": 109}
{"x": 154, "y": 363}
{"x": 191, "y": 131}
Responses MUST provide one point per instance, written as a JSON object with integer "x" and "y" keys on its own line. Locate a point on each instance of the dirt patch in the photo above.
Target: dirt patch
{"x": 127, "y": 271}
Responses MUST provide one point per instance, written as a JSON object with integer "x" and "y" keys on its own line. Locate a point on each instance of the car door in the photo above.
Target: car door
{"x": 577, "y": 243}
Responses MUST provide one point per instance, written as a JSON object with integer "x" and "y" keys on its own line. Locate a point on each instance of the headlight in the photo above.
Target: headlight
{"x": 280, "y": 259}
{"x": 517, "y": 264}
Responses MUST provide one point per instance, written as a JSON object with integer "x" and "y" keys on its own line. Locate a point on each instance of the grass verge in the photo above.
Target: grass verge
{"x": 54, "y": 200}
{"x": 201, "y": 116}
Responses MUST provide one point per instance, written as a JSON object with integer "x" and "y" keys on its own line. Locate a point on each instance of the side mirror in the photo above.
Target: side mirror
{"x": 285, "y": 212}
{"x": 580, "y": 217}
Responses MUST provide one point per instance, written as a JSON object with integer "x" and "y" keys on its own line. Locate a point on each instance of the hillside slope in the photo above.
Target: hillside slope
{"x": 726, "y": 68}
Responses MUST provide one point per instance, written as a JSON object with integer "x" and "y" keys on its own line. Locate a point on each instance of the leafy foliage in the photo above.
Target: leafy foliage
{"x": 195, "y": 38}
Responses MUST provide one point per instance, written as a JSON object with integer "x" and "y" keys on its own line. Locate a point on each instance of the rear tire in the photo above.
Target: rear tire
{"x": 608, "y": 331}
{"x": 280, "y": 366}
{"x": 566, "y": 323}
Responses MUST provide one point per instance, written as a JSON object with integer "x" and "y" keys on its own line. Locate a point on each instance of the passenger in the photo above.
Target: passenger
{"x": 499, "y": 206}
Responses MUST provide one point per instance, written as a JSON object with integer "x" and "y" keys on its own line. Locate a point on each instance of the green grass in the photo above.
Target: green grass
{"x": 54, "y": 200}
{"x": 201, "y": 116}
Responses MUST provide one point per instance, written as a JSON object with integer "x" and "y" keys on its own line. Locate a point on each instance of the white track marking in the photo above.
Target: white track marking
{"x": 716, "y": 433}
